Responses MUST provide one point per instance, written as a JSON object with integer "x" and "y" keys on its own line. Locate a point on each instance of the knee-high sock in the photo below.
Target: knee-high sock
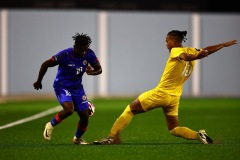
{"x": 123, "y": 120}
{"x": 184, "y": 132}
{"x": 80, "y": 130}
{"x": 56, "y": 120}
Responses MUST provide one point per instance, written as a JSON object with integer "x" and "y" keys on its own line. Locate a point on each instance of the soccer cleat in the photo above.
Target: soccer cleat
{"x": 107, "y": 140}
{"x": 48, "y": 131}
{"x": 110, "y": 140}
{"x": 203, "y": 137}
{"x": 79, "y": 141}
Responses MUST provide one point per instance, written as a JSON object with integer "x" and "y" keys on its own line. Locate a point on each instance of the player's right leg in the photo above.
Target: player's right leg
{"x": 114, "y": 137}
{"x": 106, "y": 140}
{"x": 125, "y": 118}
{"x": 123, "y": 121}
{"x": 48, "y": 131}
{"x": 64, "y": 98}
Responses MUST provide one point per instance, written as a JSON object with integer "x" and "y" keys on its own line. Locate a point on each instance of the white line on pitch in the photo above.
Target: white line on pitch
{"x": 36, "y": 116}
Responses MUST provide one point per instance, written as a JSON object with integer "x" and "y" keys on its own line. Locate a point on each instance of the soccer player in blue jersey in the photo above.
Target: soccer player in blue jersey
{"x": 72, "y": 64}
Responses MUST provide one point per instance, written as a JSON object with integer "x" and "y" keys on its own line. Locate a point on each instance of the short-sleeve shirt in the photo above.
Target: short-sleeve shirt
{"x": 176, "y": 71}
{"x": 71, "y": 68}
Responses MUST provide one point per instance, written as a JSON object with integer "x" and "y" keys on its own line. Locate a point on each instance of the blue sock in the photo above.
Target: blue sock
{"x": 80, "y": 131}
{"x": 56, "y": 120}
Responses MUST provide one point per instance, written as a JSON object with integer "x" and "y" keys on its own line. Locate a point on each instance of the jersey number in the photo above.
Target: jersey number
{"x": 187, "y": 69}
{"x": 79, "y": 70}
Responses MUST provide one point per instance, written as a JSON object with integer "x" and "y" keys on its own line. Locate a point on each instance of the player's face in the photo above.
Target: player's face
{"x": 82, "y": 53}
{"x": 79, "y": 51}
{"x": 169, "y": 43}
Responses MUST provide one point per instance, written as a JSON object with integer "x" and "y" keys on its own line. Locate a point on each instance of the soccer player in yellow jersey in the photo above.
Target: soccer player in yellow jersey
{"x": 166, "y": 95}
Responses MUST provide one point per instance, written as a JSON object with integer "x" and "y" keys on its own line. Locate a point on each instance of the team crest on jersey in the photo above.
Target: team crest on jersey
{"x": 85, "y": 62}
{"x": 84, "y": 97}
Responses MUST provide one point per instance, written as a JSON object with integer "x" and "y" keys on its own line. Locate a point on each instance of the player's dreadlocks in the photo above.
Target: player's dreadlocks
{"x": 179, "y": 35}
{"x": 82, "y": 40}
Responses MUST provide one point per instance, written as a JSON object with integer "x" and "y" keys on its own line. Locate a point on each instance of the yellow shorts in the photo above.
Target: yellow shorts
{"x": 154, "y": 99}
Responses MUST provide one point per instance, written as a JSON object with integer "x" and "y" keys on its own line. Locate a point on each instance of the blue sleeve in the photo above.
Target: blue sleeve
{"x": 59, "y": 57}
{"x": 92, "y": 57}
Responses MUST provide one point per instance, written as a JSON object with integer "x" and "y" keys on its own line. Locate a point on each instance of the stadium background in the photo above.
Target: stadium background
{"x": 32, "y": 30}
{"x": 133, "y": 34}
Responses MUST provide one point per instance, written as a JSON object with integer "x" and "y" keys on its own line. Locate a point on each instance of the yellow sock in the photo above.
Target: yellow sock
{"x": 184, "y": 132}
{"x": 123, "y": 120}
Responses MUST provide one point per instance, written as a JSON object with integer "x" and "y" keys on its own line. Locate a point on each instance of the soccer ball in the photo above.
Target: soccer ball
{"x": 91, "y": 109}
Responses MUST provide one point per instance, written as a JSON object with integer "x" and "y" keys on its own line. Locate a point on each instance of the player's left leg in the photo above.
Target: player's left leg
{"x": 81, "y": 107}
{"x": 185, "y": 132}
{"x": 172, "y": 122}
{"x": 171, "y": 114}
{"x": 81, "y": 127}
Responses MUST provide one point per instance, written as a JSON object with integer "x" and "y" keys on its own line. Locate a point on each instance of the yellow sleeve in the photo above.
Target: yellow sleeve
{"x": 175, "y": 52}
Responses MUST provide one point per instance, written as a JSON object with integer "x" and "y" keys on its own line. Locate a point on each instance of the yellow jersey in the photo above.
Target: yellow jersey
{"x": 176, "y": 71}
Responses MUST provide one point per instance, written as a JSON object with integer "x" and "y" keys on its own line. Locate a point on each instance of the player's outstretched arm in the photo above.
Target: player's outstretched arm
{"x": 206, "y": 51}
{"x": 215, "y": 48}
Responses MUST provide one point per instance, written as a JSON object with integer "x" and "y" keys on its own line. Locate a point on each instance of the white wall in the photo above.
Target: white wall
{"x": 136, "y": 49}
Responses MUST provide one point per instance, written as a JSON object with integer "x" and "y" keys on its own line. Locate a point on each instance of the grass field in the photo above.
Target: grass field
{"x": 146, "y": 137}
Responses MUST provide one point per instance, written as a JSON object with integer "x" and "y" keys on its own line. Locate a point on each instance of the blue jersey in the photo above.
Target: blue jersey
{"x": 71, "y": 68}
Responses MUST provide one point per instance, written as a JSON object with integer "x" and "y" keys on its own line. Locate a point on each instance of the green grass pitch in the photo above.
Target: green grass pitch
{"x": 146, "y": 137}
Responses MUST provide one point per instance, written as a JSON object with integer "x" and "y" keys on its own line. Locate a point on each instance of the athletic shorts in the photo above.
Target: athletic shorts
{"x": 77, "y": 96}
{"x": 154, "y": 99}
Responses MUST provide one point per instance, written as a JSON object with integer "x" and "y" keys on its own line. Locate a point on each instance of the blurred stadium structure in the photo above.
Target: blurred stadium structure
{"x": 23, "y": 22}
{"x": 149, "y": 5}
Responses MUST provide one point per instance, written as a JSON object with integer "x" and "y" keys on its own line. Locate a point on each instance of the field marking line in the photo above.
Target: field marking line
{"x": 36, "y": 116}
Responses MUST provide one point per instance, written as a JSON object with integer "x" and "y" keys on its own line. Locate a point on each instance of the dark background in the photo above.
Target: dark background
{"x": 126, "y": 5}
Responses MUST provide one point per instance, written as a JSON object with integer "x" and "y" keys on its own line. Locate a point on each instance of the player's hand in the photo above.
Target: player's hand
{"x": 229, "y": 43}
{"x": 37, "y": 85}
{"x": 89, "y": 70}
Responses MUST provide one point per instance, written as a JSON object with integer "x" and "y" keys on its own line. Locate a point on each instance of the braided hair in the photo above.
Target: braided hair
{"x": 178, "y": 35}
